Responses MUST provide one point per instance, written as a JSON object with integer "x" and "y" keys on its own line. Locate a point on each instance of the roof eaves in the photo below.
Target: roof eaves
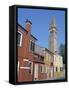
{"x": 26, "y": 31}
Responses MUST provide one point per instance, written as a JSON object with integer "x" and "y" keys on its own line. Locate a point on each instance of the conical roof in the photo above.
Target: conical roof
{"x": 53, "y": 22}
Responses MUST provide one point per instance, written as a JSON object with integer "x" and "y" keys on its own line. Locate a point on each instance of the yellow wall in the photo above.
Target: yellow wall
{"x": 58, "y": 61}
{"x": 47, "y": 58}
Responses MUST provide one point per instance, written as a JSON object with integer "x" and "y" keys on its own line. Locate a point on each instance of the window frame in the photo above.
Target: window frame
{"x": 42, "y": 69}
{"x": 31, "y": 69}
{"x": 45, "y": 69}
{"x": 18, "y": 65}
{"x": 20, "y": 44}
{"x": 56, "y": 69}
{"x": 30, "y": 46}
{"x": 61, "y": 68}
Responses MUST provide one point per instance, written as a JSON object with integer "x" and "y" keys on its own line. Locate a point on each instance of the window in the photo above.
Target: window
{"x": 41, "y": 58}
{"x": 61, "y": 68}
{"x": 32, "y": 46}
{"x": 18, "y": 66}
{"x": 56, "y": 69}
{"x": 42, "y": 69}
{"x": 51, "y": 63}
{"x": 30, "y": 67}
{"x": 19, "y": 38}
{"x": 45, "y": 69}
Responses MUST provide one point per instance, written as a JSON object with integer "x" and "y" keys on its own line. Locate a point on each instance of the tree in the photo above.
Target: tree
{"x": 62, "y": 51}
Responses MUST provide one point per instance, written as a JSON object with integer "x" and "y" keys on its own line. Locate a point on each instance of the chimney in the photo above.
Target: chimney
{"x": 28, "y": 25}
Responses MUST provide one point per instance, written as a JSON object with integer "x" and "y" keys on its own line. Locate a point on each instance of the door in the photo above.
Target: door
{"x": 35, "y": 72}
{"x": 51, "y": 72}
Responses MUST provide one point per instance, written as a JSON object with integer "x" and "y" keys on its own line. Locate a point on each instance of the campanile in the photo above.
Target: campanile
{"x": 53, "y": 36}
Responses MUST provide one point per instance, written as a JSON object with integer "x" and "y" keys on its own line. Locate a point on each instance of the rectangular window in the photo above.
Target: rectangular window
{"x": 45, "y": 69}
{"x": 30, "y": 67}
{"x": 32, "y": 46}
{"x": 56, "y": 69}
{"x": 42, "y": 69}
{"x": 41, "y": 58}
{"x": 19, "y": 38}
{"x": 61, "y": 68}
{"x": 51, "y": 64}
{"x": 18, "y": 66}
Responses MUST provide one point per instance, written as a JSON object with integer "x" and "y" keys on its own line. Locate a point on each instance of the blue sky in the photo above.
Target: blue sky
{"x": 41, "y": 20}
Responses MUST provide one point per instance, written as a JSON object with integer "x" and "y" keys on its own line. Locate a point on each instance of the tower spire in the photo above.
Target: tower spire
{"x": 53, "y": 23}
{"x": 53, "y": 36}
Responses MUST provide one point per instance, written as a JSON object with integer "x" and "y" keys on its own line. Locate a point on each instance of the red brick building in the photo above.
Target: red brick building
{"x": 30, "y": 56}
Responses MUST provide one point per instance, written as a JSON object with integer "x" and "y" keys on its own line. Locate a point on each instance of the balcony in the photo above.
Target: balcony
{"x": 39, "y": 50}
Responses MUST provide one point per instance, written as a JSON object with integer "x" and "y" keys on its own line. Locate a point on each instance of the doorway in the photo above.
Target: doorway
{"x": 36, "y": 72}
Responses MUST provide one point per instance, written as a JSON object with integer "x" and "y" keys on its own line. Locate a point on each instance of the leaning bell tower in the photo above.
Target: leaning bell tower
{"x": 53, "y": 36}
